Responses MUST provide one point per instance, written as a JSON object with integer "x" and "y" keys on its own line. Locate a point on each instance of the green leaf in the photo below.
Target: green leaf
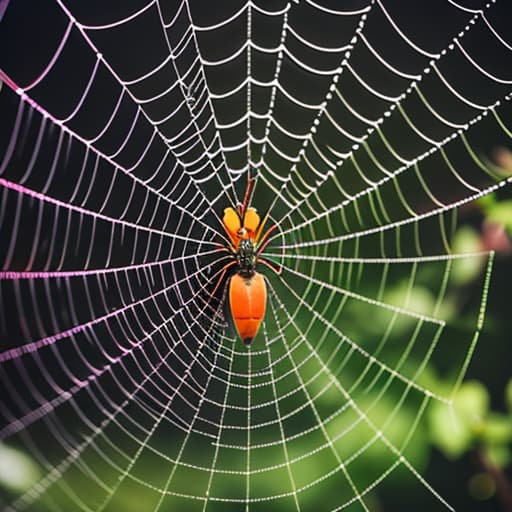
{"x": 486, "y": 201}
{"x": 501, "y": 212}
{"x": 454, "y": 429}
{"x": 466, "y": 240}
{"x": 471, "y": 403}
{"x": 498, "y": 429}
{"x": 499, "y": 455}
{"x": 449, "y": 434}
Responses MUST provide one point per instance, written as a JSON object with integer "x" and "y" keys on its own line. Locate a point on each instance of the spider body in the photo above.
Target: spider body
{"x": 247, "y": 302}
{"x": 246, "y": 258}
{"x": 247, "y": 290}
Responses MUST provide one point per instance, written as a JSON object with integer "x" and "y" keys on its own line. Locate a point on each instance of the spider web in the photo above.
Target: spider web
{"x": 125, "y": 133}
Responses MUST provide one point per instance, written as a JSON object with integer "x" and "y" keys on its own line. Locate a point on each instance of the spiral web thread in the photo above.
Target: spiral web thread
{"x": 126, "y": 132}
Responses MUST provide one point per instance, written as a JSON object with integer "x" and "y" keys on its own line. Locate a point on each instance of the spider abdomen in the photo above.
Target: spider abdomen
{"x": 248, "y": 301}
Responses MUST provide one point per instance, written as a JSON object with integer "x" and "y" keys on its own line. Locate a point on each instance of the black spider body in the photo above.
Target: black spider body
{"x": 246, "y": 258}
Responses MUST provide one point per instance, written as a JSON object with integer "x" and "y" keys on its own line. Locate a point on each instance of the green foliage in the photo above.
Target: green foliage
{"x": 465, "y": 270}
{"x": 454, "y": 428}
{"x": 501, "y": 212}
{"x": 497, "y": 211}
{"x": 469, "y": 423}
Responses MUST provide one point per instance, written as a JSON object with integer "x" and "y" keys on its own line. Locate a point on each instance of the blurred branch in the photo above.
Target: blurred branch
{"x": 503, "y": 487}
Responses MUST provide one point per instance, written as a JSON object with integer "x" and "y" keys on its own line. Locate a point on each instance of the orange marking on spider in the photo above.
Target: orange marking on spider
{"x": 247, "y": 288}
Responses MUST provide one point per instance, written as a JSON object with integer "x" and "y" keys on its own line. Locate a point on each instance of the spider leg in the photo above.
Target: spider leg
{"x": 264, "y": 239}
{"x": 222, "y": 271}
{"x": 247, "y": 196}
{"x": 260, "y": 229}
{"x": 203, "y": 287}
{"x": 263, "y": 243}
{"x": 222, "y": 249}
{"x": 278, "y": 269}
{"x": 230, "y": 249}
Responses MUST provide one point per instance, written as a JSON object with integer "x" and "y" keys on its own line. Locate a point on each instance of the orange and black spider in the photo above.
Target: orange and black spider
{"x": 247, "y": 292}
